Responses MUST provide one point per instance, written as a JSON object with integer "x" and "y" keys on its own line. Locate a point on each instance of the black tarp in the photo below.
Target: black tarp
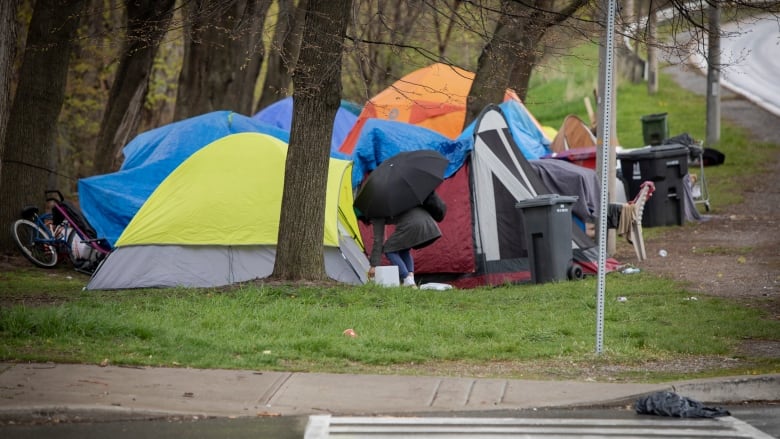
{"x": 672, "y": 404}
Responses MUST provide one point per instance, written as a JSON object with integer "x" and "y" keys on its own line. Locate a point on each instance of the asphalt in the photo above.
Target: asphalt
{"x": 92, "y": 391}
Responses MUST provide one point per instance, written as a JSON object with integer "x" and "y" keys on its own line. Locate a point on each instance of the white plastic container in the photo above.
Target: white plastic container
{"x": 387, "y": 276}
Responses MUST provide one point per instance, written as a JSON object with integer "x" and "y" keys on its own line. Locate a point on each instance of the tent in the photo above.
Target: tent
{"x": 214, "y": 221}
{"x": 434, "y": 97}
{"x": 110, "y": 201}
{"x": 483, "y": 241}
{"x": 574, "y": 133}
{"x": 279, "y": 114}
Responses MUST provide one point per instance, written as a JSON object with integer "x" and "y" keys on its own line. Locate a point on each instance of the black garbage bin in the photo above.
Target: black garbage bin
{"x": 547, "y": 222}
{"x": 665, "y": 166}
{"x": 654, "y": 128}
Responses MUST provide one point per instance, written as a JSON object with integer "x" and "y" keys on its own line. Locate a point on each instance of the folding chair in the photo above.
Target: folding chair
{"x": 633, "y": 219}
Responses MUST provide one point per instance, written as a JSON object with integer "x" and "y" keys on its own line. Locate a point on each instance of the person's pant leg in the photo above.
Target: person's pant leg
{"x": 397, "y": 259}
{"x": 406, "y": 256}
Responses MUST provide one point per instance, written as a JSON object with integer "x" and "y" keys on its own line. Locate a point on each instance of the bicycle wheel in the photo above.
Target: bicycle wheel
{"x": 26, "y": 235}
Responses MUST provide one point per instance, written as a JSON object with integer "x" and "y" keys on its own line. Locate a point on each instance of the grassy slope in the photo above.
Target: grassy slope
{"x": 498, "y": 331}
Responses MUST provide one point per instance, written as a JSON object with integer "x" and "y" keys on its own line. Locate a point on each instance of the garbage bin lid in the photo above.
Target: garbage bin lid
{"x": 654, "y": 152}
{"x": 655, "y": 116}
{"x": 547, "y": 200}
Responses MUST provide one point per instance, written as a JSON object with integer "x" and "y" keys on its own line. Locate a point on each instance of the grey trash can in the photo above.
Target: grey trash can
{"x": 548, "y": 230}
{"x": 654, "y": 128}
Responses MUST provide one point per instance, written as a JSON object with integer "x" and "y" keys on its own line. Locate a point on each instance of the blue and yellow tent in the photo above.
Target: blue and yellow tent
{"x": 214, "y": 221}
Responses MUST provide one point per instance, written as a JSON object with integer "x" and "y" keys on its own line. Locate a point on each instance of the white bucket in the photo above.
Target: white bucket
{"x": 387, "y": 276}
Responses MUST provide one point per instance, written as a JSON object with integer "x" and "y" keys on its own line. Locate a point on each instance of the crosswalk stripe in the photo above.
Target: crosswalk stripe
{"x": 326, "y": 426}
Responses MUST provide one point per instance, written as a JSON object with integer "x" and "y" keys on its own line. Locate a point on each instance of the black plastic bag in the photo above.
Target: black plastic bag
{"x": 672, "y": 404}
{"x": 435, "y": 207}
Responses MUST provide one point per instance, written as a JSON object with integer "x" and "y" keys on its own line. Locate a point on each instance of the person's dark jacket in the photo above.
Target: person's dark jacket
{"x": 414, "y": 228}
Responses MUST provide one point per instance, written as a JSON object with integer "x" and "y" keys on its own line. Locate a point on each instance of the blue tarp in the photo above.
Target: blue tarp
{"x": 110, "y": 201}
{"x": 380, "y": 139}
{"x": 531, "y": 140}
{"x": 279, "y": 114}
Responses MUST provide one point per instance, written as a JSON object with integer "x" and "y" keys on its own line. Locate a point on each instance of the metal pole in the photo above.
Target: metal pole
{"x": 713, "y": 76}
{"x": 607, "y": 71}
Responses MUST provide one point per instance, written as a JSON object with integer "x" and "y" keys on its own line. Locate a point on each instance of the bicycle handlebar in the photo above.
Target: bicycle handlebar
{"x": 54, "y": 191}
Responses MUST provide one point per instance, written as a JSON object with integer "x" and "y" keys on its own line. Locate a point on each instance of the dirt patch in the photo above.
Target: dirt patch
{"x": 735, "y": 251}
{"x": 732, "y": 254}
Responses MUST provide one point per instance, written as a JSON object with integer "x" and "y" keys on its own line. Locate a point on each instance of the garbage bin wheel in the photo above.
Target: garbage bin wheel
{"x": 575, "y": 272}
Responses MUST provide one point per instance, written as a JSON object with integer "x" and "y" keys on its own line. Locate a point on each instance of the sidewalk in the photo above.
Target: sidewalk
{"x": 142, "y": 391}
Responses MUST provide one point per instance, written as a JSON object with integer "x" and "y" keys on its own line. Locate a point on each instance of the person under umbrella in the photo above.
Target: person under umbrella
{"x": 414, "y": 229}
{"x": 400, "y": 191}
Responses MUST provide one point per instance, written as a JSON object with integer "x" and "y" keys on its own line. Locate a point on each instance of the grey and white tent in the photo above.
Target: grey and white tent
{"x": 214, "y": 221}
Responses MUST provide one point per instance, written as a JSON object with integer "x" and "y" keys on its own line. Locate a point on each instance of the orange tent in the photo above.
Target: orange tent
{"x": 433, "y": 97}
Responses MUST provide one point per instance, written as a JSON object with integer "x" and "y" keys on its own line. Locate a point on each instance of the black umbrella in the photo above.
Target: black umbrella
{"x": 400, "y": 183}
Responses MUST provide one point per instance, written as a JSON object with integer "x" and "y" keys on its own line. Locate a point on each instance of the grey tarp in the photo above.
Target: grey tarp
{"x": 566, "y": 178}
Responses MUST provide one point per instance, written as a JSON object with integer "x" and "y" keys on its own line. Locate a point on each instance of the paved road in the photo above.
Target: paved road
{"x": 579, "y": 422}
{"x": 750, "y": 55}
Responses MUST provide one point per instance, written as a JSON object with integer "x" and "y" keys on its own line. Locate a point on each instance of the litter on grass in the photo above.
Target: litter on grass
{"x": 435, "y": 286}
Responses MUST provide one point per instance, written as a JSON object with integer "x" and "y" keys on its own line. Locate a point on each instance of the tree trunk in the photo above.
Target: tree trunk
{"x": 39, "y": 97}
{"x": 8, "y": 33}
{"x": 525, "y": 60}
{"x": 284, "y": 53}
{"x": 222, "y": 56}
{"x": 652, "y": 51}
{"x": 492, "y": 74}
{"x": 147, "y": 23}
{"x": 317, "y": 96}
{"x": 510, "y": 56}
{"x": 713, "y": 76}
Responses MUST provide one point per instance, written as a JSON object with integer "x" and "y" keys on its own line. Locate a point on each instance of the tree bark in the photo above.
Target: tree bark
{"x": 147, "y": 23}
{"x": 222, "y": 57}
{"x": 713, "y": 76}
{"x": 284, "y": 53}
{"x": 8, "y": 33}
{"x": 39, "y": 96}
{"x": 316, "y": 99}
{"x": 510, "y": 56}
{"x": 652, "y": 52}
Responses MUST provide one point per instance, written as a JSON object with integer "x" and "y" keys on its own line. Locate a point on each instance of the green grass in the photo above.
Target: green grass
{"x": 301, "y": 328}
{"x": 499, "y": 331}
{"x": 575, "y": 77}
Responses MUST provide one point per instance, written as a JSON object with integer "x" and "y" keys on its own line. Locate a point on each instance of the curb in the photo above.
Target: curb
{"x": 763, "y": 388}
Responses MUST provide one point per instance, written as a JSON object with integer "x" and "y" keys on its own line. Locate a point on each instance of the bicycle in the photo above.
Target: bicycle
{"x": 45, "y": 238}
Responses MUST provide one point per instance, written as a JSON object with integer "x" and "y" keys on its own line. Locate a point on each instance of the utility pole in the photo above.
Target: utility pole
{"x": 713, "y": 75}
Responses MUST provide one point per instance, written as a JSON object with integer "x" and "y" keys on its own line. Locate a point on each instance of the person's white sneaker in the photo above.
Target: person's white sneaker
{"x": 409, "y": 281}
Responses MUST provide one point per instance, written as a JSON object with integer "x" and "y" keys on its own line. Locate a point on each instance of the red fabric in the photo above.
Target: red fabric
{"x": 592, "y": 267}
{"x": 454, "y": 251}
{"x": 585, "y": 156}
